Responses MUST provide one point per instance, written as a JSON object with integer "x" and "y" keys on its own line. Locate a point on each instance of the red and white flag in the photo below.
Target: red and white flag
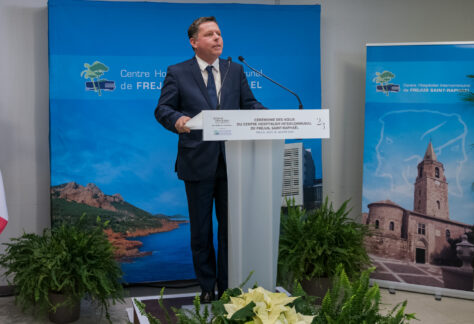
{"x": 3, "y": 206}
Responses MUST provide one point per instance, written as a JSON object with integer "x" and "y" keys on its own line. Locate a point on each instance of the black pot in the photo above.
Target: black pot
{"x": 66, "y": 312}
{"x": 317, "y": 287}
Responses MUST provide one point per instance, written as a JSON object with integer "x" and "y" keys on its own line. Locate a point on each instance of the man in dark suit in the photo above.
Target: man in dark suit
{"x": 190, "y": 87}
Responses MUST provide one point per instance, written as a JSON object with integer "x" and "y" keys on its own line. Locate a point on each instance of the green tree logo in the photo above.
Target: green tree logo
{"x": 383, "y": 78}
{"x": 93, "y": 72}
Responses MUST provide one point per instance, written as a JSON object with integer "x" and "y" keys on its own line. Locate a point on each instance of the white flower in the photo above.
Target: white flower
{"x": 270, "y": 308}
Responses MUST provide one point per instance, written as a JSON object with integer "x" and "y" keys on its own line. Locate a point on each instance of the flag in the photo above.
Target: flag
{"x": 3, "y": 206}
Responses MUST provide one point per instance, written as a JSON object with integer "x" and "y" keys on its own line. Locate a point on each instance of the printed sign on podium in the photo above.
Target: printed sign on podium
{"x": 225, "y": 125}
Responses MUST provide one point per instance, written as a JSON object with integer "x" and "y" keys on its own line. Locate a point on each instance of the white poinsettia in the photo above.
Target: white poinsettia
{"x": 270, "y": 308}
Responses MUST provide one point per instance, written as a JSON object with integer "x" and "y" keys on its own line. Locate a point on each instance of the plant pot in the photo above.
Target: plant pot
{"x": 66, "y": 313}
{"x": 317, "y": 287}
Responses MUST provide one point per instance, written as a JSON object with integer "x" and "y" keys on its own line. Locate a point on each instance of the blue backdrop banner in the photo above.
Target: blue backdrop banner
{"x": 109, "y": 156}
{"x": 418, "y": 187}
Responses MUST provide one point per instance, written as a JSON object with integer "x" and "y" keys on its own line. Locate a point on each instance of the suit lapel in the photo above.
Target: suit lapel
{"x": 196, "y": 71}
{"x": 223, "y": 66}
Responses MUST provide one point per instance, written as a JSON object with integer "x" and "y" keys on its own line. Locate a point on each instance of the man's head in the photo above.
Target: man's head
{"x": 205, "y": 38}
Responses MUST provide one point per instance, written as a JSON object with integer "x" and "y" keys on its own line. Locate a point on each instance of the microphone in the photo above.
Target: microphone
{"x": 229, "y": 59}
{"x": 241, "y": 59}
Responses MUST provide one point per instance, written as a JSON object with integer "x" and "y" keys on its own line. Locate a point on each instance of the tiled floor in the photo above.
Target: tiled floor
{"x": 11, "y": 314}
{"x": 430, "y": 311}
{"x": 427, "y": 309}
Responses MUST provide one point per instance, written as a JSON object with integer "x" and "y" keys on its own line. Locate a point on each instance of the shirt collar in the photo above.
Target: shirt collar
{"x": 203, "y": 64}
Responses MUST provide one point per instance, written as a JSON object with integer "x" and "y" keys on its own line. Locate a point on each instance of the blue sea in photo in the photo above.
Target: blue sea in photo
{"x": 162, "y": 265}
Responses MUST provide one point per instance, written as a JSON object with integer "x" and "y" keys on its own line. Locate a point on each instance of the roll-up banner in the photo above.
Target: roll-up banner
{"x": 418, "y": 183}
{"x": 110, "y": 157}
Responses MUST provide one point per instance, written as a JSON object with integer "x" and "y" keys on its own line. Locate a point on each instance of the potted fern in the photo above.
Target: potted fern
{"x": 52, "y": 272}
{"x": 313, "y": 243}
{"x": 357, "y": 302}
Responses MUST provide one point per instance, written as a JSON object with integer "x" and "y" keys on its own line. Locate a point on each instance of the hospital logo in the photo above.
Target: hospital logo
{"x": 93, "y": 73}
{"x": 383, "y": 82}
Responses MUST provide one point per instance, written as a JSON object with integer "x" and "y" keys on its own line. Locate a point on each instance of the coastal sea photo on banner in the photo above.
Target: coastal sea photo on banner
{"x": 111, "y": 158}
{"x": 418, "y": 185}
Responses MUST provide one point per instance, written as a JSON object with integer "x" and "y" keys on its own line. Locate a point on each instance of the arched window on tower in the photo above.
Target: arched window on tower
{"x": 448, "y": 234}
{"x": 377, "y": 223}
{"x": 437, "y": 172}
{"x": 438, "y": 203}
{"x": 419, "y": 204}
{"x": 392, "y": 226}
{"x": 420, "y": 171}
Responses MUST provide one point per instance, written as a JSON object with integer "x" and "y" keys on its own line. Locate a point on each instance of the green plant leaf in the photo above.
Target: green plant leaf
{"x": 244, "y": 314}
{"x": 72, "y": 259}
{"x": 313, "y": 243}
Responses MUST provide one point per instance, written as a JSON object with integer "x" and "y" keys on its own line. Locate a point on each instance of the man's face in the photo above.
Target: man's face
{"x": 208, "y": 43}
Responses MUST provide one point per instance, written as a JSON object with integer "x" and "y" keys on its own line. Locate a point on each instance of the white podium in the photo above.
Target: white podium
{"x": 255, "y": 141}
{"x": 255, "y": 176}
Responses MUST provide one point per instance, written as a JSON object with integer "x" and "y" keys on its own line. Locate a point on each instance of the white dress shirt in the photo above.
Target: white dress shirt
{"x": 215, "y": 71}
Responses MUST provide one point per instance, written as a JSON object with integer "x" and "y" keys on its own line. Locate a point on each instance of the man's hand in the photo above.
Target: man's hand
{"x": 180, "y": 124}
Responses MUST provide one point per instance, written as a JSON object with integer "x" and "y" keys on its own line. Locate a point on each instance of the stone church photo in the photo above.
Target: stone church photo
{"x": 419, "y": 246}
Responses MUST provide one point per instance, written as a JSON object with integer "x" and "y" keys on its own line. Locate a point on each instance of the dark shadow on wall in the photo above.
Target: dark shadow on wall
{"x": 41, "y": 112}
{"x": 352, "y": 90}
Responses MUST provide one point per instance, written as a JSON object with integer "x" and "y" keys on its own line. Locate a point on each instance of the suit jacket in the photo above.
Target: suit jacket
{"x": 184, "y": 93}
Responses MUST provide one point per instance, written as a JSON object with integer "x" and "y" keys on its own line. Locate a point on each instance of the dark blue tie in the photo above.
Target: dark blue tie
{"x": 211, "y": 87}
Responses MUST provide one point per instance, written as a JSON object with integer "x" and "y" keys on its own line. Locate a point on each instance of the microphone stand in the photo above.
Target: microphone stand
{"x": 241, "y": 59}
{"x": 229, "y": 59}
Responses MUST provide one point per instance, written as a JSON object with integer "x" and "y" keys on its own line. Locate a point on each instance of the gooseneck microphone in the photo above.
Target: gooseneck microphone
{"x": 241, "y": 59}
{"x": 229, "y": 59}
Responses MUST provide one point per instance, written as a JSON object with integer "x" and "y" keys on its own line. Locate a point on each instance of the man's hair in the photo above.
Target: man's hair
{"x": 194, "y": 28}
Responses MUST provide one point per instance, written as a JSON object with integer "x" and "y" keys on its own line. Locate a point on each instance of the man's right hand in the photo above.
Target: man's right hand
{"x": 180, "y": 124}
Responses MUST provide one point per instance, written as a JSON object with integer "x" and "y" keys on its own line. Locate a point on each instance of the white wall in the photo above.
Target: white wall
{"x": 346, "y": 25}
{"x": 24, "y": 115}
